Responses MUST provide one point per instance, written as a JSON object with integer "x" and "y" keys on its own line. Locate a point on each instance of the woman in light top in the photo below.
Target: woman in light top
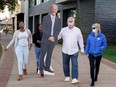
{"x": 23, "y": 42}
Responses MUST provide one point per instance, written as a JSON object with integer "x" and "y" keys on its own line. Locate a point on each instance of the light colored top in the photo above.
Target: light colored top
{"x": 16, "y": 40}
{"x": 71, "y": 39}
{"x": 23, "y": 38}
{"x": 53, "y": 21}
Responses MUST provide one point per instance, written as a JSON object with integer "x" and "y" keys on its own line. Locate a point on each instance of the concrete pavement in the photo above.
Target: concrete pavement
{"x": 6, "y": 61}
{"x": 107, "y": 76}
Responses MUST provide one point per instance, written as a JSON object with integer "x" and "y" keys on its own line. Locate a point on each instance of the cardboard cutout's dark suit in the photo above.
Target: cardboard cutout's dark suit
{"x": 46, "y": 45}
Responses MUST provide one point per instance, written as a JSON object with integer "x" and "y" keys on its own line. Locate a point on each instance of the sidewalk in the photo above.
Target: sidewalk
{"x": 6, "y": 61}
{"x": 107, "y": 76}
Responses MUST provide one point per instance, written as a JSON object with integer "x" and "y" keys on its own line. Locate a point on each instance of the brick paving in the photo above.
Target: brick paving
{"x": 107, "y": 76}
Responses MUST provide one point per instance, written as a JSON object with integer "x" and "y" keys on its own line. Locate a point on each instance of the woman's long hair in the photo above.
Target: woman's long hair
{"x": 37, "y": 28}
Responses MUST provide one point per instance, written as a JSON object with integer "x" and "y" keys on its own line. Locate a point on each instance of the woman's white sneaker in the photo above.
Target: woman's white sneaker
{"x": 75, "y": 81}
{"x": 67, "y": 79}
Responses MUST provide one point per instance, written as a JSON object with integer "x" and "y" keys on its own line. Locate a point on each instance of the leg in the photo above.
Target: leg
{"x": 25, "y": 59}
{"x": 42, "y": 55}
{"x": 97, "y": 66}
{"x": 91, "y": 61}
{"x": 66, "y": 63}
{"x": 48, "y": 57}
{"x": 25, "y": 56}
{"x": 19, "y": 55}
{"x": 74, "y": 60}
{"x": 37, "y": 52}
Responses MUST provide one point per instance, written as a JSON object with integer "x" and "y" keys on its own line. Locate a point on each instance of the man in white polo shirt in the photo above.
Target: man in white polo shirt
{"x": 71, "y": 36}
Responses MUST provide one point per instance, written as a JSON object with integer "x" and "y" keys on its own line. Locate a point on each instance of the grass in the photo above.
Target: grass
{"x": 110, "y": 53}
{"x": 0, "y": 50}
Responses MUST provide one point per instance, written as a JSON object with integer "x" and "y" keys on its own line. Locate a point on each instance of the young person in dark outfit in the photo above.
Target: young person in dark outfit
{"x": 37, "y": 36}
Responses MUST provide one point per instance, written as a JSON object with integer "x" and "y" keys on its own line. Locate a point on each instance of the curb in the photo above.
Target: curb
{"x": 2, "y": 57}
{"x": 6, "y": 65}
{"x": 109, "y": 63}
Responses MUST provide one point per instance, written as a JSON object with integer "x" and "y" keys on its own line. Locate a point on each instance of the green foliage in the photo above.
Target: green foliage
{"x": 110, "y": 53}
{"x": 10, "y": 3}
{"x": 60, "y": 41}
{"x": 2, "y": 5}
{"x": 0, "y": 50}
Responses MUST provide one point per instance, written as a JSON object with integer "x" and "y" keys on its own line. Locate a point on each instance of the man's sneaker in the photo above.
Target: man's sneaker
{"x": 75, "y": 81}
{"x": 67, "y": 79}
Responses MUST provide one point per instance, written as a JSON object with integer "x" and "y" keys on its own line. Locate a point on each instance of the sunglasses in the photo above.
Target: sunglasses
{"x": 93, "y": 27}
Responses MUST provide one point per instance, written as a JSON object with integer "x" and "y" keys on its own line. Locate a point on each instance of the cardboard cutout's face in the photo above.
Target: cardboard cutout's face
{"x": 53, "y": 10}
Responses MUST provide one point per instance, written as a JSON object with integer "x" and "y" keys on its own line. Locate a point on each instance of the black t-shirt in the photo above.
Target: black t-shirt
{"x": 37, "y": 39}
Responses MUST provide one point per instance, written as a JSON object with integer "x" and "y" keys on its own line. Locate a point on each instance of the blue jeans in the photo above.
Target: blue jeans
{"x": 22, "y": 57}
{"x": 37, "y": 52}
{"x": 66, "y": 65}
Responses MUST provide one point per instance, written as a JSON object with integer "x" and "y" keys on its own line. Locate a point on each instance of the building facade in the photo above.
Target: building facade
{"x": 86, "y": 12}
{"x": 20, "y": 13}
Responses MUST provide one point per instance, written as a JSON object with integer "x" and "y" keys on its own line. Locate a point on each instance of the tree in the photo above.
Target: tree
{"x": 10, "y": 3}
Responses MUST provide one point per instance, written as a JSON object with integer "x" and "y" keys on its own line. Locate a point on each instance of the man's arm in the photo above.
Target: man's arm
{"x": 81, "y": 43}
{"x": 60, "y": 35}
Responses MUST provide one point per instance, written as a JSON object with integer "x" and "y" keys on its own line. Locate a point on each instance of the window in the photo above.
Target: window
{"x": 46, "y": 0}
{"x": 59, "y": 15}
{"x": 42, "y": 1}
{"x": 37, "y": 2}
